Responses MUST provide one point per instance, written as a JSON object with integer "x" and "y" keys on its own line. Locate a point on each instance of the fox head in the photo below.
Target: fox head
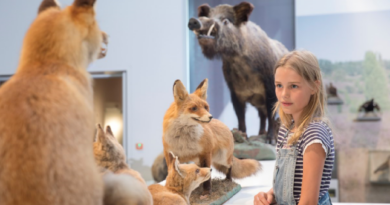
{"x": 186, "y": 177}
{"x": 69, "y": 36}
{"x": 218, "y": 29}
{"x": 193, "y": 108}
{"x": 107, "y": 150}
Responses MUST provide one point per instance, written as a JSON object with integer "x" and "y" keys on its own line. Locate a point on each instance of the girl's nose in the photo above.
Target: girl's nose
{"x": 285, "y": 93}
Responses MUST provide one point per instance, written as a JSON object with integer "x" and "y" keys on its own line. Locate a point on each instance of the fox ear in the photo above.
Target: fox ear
{"x": 100, "y": 137}
{"x": 86, "y": 3}
{"x": 179, "y": 91}
{"x": 242, "y": 12}
{"x": 108, "y": 130}
{"x": 48, "y": 4}
{"x": 203, "y": 10}
{"x": 175, "y": 161}
{"x": 201, "y": 90}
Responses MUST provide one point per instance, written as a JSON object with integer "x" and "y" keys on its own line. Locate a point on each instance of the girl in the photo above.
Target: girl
{"x": 305, "y": 150}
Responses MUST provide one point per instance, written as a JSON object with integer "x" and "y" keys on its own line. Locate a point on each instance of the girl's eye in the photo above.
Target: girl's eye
{"x": 278, "y": 85}
{"x": 194, "y": 108}
{"x": 294, "y": 86}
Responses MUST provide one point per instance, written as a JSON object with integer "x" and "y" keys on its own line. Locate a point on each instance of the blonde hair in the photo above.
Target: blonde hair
{"x": 306, "y": 65}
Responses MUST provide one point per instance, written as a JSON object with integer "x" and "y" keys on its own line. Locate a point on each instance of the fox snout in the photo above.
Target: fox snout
{"x": 205, "y": 118}
{"x": 206, "y": 173}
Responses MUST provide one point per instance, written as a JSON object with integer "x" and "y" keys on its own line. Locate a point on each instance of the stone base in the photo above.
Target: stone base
{"x": 335, "y": 101}
{"x": 370, "y": 116}
{"x": 221, "y": 191}
{"x": 255, "y": 148}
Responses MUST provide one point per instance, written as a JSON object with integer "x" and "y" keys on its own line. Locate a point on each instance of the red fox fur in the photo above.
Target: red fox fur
{"x": 182, "y": 179}
{"x": 46, "y": 129}
{"x": 190, "y": 133}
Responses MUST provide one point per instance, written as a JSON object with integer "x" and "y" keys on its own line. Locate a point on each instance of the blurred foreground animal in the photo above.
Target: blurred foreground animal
{"x": 122, "y": 185}
{"x": 46, "y": 128}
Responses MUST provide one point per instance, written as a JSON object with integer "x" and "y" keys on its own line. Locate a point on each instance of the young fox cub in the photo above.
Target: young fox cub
{"x": 190, "y": 133}
{"x": 182, "y": 179}
{"x": 46, "y": 110}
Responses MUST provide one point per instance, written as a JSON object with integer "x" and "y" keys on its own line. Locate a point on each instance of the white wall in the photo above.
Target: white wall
{"x": 147, "y": 40}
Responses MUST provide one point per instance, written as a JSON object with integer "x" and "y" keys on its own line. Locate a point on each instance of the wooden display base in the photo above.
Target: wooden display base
{"x": 222, "y": 190}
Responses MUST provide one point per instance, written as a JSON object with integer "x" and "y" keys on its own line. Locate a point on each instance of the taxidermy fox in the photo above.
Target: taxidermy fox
{"x": 190, "y": 133}
{"x": 122, "y": 185}
{"x": 46, "y": 129}
{"x": 110, "y": 154}
{"x": 182, "y": 179}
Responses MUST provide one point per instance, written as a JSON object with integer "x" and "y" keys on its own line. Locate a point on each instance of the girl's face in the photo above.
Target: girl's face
{"x": 292, "y": 91}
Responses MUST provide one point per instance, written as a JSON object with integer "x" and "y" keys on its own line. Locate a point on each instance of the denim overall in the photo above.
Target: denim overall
{"x": 284, "y": 177}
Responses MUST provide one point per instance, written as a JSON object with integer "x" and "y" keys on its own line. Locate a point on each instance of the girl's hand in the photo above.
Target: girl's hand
{"x": 263, "y": 198}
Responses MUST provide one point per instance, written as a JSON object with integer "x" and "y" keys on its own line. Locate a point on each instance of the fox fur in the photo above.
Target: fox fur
{"x": 110, "y": 154}
{"x": 159, "y": 168}
{"x": 182, "y": 179}
{"x": 46, "y": 128}
{"x": 190, "y": 133}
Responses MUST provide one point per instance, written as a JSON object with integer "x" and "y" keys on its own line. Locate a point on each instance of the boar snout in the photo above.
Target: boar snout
{"x": 194, "y": 24}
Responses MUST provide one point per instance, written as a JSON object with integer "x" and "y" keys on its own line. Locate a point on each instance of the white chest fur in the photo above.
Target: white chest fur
{"x": 183, "y": 135}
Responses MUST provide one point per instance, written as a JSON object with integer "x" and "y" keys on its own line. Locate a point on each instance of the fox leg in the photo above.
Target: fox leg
{"x": 229, "y": 174}
{"x": 205, "y": 161}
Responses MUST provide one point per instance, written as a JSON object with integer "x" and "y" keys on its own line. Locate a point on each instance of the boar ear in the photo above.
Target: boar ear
{"x": 179, "y": 91}
{"x": 100, "y": 136}
{"x": 48, "y": 4}
{"x": 242, "y": 12}
{"x": 203, "y": 10}
{"x": 201, "y": 90}
{"x": 86, "y": 3}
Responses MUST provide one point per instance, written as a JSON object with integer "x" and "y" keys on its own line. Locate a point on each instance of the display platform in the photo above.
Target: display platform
{"x": 335, "y": 101}
{"x": 252, "y": 185}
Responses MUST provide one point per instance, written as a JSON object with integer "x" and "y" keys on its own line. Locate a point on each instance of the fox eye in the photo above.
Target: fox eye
{"x": 194, "y": 108}
{"x": 197, "y": 171}
{"x": 206, "y": 107}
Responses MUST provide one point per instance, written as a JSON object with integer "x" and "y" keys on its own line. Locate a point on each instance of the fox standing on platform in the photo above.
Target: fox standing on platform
{"x": 190, "y": 132}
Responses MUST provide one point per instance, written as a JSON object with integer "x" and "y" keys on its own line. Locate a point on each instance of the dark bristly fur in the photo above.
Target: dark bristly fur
{"x": 248, "y": 57}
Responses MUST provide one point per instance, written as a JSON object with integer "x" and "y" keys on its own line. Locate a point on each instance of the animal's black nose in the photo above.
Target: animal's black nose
{"x": 194, "y": 24}
{"x": 211, "y": 117}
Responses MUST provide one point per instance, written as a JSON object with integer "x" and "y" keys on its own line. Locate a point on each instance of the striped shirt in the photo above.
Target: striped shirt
{"x": 316, "y": 132}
